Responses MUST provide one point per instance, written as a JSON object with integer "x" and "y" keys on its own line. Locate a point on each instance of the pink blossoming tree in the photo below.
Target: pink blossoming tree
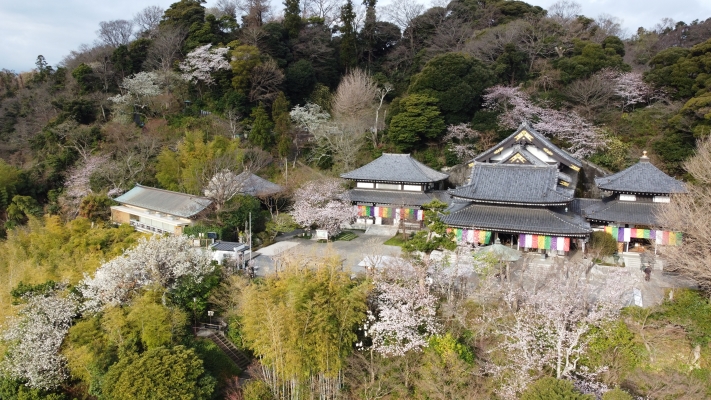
{"x": 583, "y": 138}
{"x": 323, "y": 204}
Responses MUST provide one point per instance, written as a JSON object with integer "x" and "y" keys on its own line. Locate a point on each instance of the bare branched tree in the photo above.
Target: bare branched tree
{"x": 165, "y": 48}
{"x": 147, "y": 21}
{"x": 690, "y": 214}
{"x": 115, "y": 33}
{"x": 266, "y": 81}
{"x": 227, "y": 7}
{"x": 564, "y": 12}
{"x": 326, "y": 9}
{"x": 129, "y": 163}
{"x": 402, "y": 13}
{"x": 355, "y": 95}
{"x": 591, "y": 93}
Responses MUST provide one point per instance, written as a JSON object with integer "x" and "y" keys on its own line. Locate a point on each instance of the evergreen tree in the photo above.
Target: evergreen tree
{"x": 348, "y": 38}
{"x": 282, "y": 124}
{"x": 261, "y": 133}
{"x": 369, "y": 28}
{"x": 292, "y": 17}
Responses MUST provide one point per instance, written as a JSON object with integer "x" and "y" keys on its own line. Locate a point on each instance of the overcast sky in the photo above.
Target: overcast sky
{"x": 55, "y": 27}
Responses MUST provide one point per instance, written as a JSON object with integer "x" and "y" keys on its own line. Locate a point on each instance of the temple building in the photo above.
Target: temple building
{"x": 521, "y": 191}
{"x": 156, "y": 210}
{"x": 631, "y": 203}
{"x": 392, "y": 189}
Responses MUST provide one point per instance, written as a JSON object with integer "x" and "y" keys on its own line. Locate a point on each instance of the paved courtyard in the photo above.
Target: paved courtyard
{"x": 352, "y": 252}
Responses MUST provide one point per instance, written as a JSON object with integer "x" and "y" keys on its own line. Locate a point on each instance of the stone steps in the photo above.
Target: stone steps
{"x": 239, "y": 358}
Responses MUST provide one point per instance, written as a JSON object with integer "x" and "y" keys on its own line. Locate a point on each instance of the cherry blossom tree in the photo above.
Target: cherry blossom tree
{"x": 551, "y": 321}
{"x": 34, "y": 339}
{"x": 460, "y": 141}
{"x": 160, "y": 260}
{"x": 405, "y": 315}
{"x": 76, "y": 186}
{"x": 200, "y": 63}
{"x": 631, "y": 89}
{"x": 137, "y": 89}
{"x": 583, "y": 138}
{"x": 322, "y": 203}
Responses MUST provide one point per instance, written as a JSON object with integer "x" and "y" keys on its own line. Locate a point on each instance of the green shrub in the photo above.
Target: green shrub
{"x": 691, "y": 310}
{"x": 549, "y": 388}
{"x": 256, "y": 390}
{"x": 603, "y": 243}
{"x": 613, "y": 346}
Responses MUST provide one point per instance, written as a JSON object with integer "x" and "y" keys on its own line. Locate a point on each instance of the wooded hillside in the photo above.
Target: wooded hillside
{"x": 176, "y": 98}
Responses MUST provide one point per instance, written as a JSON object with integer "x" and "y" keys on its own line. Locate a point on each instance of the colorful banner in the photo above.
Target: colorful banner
{"x": 471, "y": 235}
{"x": 544, "y": 242}
{"x": 410, "y": 214}
{"x": 664, "y": 238}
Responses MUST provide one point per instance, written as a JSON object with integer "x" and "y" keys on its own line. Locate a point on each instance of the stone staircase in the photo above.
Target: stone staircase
{"x": 239, "y": 358}
{"x": 632, "y": 261}
{"x": 381, "y": 230}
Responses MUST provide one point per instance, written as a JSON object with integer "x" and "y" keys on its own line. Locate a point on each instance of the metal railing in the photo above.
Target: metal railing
{"x": 142, "y": 226}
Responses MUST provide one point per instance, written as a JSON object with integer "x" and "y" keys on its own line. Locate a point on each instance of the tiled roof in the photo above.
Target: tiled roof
{"x": 173, "y": 203}
{"x": 227, "y": 184}
{"x": 254, "y": 185}
{"x": 516, "y": 219}
{"x": 642, "y": 177}
{"x": 622, "y": 212}
{"x": 397, "y": 198}
{"x": 538, "y": 139}
{"x": 396, "y": 168}
{"x": 514, "y": 184}
{"x": 228, "y": 246}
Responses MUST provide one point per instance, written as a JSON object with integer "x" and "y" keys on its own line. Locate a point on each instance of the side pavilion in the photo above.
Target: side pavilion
{"x": 394, "y": 187}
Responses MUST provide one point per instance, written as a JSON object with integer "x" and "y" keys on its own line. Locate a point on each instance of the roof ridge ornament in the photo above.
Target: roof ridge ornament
{"x": 644, "y": 157}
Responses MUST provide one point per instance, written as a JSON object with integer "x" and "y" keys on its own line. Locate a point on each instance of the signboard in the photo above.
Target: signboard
{"x": 321, "y": 234}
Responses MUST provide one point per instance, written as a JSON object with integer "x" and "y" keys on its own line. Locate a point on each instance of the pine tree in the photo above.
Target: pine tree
{"x": 348, "y": 40}
{"x": 292, "y": 17}
{"x": 261, "y": 133}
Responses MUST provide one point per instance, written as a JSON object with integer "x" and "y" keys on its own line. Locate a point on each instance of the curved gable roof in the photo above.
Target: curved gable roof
{"x": 642, "y": 177}
{"x": 396, "y": 168}
{"x": 514, "y": 184}
{"x": 525, "y": 133}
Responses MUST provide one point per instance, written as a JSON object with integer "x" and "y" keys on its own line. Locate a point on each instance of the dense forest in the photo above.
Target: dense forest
{"x": 171, "y": 98}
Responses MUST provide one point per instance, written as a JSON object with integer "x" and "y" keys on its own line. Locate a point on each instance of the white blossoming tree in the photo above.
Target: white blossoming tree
{"x": 322, "y": 203}
{"x": 550, "y": 326}
{"x": 158, "y": 260}
{"x": 405, "y": 310}
{"x": 137, "y": 89}
{"x": 35, "y": 337}
{"x": 201, "y": 63}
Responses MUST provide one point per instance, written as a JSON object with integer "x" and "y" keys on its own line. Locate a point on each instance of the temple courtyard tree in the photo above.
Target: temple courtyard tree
{"x": 689, "y": 213}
